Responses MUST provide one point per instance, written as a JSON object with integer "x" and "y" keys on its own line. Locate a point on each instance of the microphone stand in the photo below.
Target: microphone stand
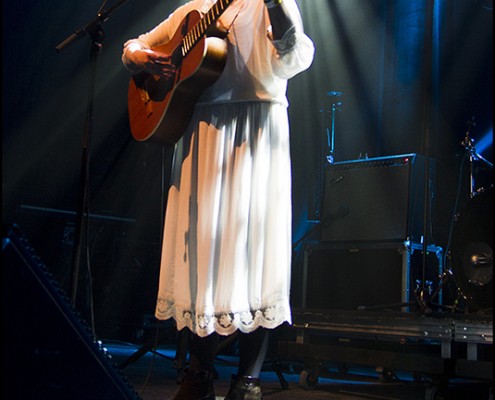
{"x": 331, "y": 135}
{"x": 95, "y": 31}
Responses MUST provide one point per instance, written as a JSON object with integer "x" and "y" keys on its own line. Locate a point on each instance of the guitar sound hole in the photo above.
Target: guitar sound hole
{"x": 157, "y": 87}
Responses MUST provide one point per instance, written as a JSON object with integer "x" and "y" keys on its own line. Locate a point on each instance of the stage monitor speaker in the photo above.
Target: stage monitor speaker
{"x": 48, "y": 351}
{"x": 378, "y": 199}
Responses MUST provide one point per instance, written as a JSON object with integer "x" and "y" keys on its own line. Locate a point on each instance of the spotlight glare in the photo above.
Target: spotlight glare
{"x": 485, "y": 142}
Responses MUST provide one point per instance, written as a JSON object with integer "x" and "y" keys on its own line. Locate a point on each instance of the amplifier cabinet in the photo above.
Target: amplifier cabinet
{"x": 379, "y": 199}
{"x": 350, "y": 276}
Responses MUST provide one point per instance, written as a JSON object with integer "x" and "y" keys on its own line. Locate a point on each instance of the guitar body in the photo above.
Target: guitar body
{"x": 161, "y": 108}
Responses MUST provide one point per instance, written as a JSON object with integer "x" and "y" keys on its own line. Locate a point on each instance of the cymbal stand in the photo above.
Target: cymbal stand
{"x": 468, "y": 144}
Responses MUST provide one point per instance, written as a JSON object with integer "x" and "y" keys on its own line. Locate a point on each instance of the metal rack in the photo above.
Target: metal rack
{"x": 440, "y": 346}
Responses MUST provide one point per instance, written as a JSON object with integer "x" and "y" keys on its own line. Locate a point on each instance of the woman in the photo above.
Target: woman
{"x": 226, "y": 252}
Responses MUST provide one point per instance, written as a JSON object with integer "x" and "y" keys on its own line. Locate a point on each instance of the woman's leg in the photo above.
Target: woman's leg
{"x": 246, "y": 384}
{"x": 197, "y": 382}
{"x": 252, "y": 352}
{"x": 202, "y": 352}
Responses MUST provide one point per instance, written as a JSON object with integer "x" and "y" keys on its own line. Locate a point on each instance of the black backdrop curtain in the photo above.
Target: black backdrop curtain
{"x": 381, "y": 54}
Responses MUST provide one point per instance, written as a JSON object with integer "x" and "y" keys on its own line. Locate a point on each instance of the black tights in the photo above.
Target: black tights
{"x": 252, "y": 347}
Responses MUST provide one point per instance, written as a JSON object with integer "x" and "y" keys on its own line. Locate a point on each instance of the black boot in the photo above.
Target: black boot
{"x": 244, "y": 388}
{"x": 195, "y": 385}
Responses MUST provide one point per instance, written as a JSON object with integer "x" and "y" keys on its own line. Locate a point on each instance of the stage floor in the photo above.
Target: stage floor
{"x": 154, "y": 377}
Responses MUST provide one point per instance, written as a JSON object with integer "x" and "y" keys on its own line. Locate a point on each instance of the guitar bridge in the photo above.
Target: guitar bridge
{"x": 145, "y": 97}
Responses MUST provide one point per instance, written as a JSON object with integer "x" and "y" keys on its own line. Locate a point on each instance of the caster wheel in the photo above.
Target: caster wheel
{"x": 434, "y": 393}
{"x": 307, "y": 380}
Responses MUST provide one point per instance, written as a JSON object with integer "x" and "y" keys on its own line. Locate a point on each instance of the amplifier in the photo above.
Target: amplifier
{"x": 378, "y": 199}
{"x": 347, "y": 276}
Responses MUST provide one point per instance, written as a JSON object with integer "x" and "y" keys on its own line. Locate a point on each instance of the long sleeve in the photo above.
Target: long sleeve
{"x": 293, "y": 53}
{"x": 160, "y": 34}
{"x": 298, "y": 58}
{"x": 259, "y": 66}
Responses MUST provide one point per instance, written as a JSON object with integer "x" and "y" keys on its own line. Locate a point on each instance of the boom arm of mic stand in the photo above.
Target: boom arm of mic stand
{"x": 91, "y": 27}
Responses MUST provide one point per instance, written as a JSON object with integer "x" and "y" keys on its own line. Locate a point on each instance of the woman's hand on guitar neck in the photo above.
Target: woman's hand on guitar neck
{"x": 152, "y": 62}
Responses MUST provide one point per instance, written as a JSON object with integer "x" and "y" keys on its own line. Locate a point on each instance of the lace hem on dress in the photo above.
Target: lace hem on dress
{"x": 224, "y": 323}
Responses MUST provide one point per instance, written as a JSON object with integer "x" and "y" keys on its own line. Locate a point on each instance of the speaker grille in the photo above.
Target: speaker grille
{"x": 378, "y": 199}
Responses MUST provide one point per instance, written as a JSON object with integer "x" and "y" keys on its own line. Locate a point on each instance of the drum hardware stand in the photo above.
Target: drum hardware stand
{"x": 468, "y": 143}
{"x": 446, "y": 275}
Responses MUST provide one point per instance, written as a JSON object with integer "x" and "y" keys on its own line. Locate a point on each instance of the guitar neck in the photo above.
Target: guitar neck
{"x": 202, "y": 26}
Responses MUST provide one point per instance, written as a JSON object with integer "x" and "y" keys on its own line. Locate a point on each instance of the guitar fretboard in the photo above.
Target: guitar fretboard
{"x": 200, "y": 28}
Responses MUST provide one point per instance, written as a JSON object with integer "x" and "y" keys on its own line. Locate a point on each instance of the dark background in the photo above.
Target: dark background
{"x": 411, "y": 73}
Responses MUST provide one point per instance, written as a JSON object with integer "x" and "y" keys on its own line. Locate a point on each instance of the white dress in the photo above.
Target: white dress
{"x": 226, "y": 256}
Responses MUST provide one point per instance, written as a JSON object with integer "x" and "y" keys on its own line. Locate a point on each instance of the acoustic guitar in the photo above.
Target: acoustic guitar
{"x": 160, "y": 108}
